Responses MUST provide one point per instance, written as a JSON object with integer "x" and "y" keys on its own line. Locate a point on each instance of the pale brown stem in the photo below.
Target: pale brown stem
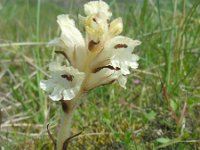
{"x": 65, "y": 125}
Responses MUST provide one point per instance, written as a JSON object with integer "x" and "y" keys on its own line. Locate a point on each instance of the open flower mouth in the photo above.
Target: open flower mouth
{"x": 99, "y": 57}
{"x": 92, "y": 45}
{"x": 67, "y": 77}
{"x": 108, "y": 67}
{"x": 120, "y": 46}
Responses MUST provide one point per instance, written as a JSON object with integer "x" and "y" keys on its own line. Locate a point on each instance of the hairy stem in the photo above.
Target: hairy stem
{"x": 65, "y": 125}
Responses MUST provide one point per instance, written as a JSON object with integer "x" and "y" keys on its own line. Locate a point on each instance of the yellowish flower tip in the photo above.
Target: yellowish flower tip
{"x": 93, "y": 28}
{"x": 116, "y": 27}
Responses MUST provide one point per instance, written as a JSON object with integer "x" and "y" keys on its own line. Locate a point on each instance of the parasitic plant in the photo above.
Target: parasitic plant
{"x": 99, "y": 56}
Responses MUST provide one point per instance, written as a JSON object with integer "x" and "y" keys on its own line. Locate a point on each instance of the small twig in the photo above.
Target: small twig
{"x": 65, "y": 144}
{"x": 20, "y": 133}
{"x": 174, "y": 116}
{"x": 19, "y": 85}
{"x": 173, "y": 141}
{"x": 93, "y": 134}
{"x": 30, "y": 61}
{"x": 183, "y": 112}
{"x": 22, "y": 44}
{"x": 20, "y": 125}
{"x": 147, "y": 73}
{"x": 6, "y": 139}
{"x": 6, "y": 108}
{"x": 104, "y": 133}
{"x": 51, "y": 137}
{"x": 177, "y": 140}
{"x": 17, "y": 119}
{"x": 191, "y": 141}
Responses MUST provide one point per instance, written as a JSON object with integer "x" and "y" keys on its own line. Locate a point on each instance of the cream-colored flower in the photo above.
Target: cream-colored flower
{"x": 100, "y": 58}
{"x": 71, "y": 41}
{"x": 96, "y": 21}
{"x": 97, "y": 8}
{"x": 64, "y": 83}
{"x": 119, "y": 53}
{"x": 115, "y": 27}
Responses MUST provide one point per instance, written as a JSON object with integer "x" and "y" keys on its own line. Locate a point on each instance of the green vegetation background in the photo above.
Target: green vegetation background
{"x": 159, "y": 109}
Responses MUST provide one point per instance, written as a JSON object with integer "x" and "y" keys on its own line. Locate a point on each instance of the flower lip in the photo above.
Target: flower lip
{"x": 64, "y": 83}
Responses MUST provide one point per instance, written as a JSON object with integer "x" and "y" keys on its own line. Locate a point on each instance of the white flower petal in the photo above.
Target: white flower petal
{"x": 70, "y": 35}
{"x": 122, "y": 81}
{"x": 116, "y": 27}
{"x": 124, "y": 59}
{"x": 73, "y": 40}
{"x": 99, "y": 8}
{"x": 55, "y": 66}
{"x": 119, "y": 51}
{"x": 56, "y": 95}
{"x": 46, "y": 85}
{"x": 65, "y": 82}
{"x": 69, "y": 94}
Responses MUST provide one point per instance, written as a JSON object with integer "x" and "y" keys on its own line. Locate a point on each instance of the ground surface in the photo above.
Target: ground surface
{"x": 159, "y": 109}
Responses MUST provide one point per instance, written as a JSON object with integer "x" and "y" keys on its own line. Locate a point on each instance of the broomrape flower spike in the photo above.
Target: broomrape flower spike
{"x": 100, "y": 57}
